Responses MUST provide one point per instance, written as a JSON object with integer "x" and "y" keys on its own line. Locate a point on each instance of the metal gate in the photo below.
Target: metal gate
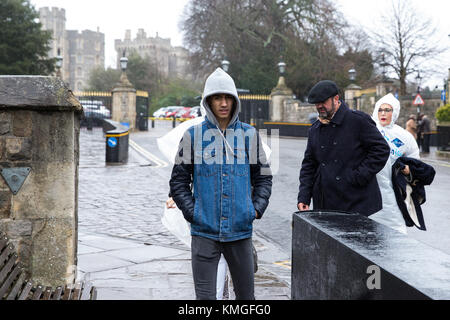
{"x": 96, "y": 106}
{"x": 254, "y": 109}
{"x": 142, "y": 106}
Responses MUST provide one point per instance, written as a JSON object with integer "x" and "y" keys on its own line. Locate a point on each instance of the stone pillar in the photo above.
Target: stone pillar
{"x": 39, "y": 133}
{"x": 124, "y": 102}
{"x": 447, "y": 95}
{"x": 384, "y": 87}
{"x": 351, "y": 92}
{"x": 278, "y": 95}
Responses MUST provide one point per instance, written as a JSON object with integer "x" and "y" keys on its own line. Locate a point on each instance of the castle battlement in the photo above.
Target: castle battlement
{"x": 171, "y": 61}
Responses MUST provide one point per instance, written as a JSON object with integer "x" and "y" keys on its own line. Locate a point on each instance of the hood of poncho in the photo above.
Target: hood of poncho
{"x": 394, "y": 103}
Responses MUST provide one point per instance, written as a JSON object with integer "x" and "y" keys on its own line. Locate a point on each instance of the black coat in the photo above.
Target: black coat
{"x": 422, "y": 174}
{"x": 341, "y": 162}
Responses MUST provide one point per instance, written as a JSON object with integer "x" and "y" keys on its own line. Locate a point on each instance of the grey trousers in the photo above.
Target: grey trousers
{"x": 239, "y": 257}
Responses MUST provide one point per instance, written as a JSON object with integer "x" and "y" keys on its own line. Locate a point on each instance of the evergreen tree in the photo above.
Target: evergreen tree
{"x": 24, "y": 45}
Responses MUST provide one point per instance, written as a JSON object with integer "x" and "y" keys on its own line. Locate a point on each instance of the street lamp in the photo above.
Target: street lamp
{"x": 418, "y": 78}
{"x": 281, "y": 85}
{"x": 225, "y": 65}
{"x": 123, "y": 77}
{"x": 123, "y": 62}
{"x": 282, "y": 68}
{"x": 59, "y": 62}
{"x": 352, "y": 74}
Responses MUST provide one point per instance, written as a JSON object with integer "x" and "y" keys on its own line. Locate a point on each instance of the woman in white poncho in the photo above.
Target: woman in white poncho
{"x": 402, "y": 144}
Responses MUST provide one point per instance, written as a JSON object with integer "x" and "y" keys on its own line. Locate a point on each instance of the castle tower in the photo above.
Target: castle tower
{"x": 54, "y": 20}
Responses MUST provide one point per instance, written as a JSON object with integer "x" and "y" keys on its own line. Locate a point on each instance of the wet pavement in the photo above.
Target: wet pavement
{"x": 123, "y": 247}
{"x": 128, "y": 254}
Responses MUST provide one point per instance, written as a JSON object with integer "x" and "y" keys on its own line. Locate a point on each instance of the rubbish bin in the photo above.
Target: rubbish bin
{"x": 117, "y": 137}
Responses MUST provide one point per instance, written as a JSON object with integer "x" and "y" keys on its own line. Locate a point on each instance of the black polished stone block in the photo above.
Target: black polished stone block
{"x": 336, "y": 256}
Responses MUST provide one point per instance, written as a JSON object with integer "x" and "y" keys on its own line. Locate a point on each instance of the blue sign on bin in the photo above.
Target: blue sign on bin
{"x": 443, "y": 94}
{"x": 112, "y": 142}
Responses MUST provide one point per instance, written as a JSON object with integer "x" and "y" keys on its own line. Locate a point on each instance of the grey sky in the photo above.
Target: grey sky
{"x": 162, "y": 16}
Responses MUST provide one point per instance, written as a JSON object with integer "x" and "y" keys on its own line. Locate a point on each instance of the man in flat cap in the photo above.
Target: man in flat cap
{"x": 345, "y": 151}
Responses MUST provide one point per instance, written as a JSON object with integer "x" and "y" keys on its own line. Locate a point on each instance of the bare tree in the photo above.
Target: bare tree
{"x": 405, "y": 38}
{"x": 254, "y": 34}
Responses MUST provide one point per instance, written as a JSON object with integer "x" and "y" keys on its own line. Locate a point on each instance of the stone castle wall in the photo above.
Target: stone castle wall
{"x": 171, "y": 61}
{"x": 81, "y": 51}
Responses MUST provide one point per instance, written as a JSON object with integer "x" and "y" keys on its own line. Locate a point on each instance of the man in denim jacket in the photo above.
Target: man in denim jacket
{"x": 221, "y": 182}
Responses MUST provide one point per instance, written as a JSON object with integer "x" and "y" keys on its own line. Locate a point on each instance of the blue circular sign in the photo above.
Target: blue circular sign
{"x": 112, "y": 142}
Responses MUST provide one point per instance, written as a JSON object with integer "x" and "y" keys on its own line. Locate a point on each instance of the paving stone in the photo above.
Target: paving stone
{"x": 158, "y": 281}
{"x": 119, "y": 211}
{"x": 143, "y": 253}
{"x": 163, "y": 266}
{"x": 123, "y": 293}
{"x": 108, "y": 243}
{"x": 95, "y": 262}
{"x": 179, "y": 294}
{"x": 84, "y": 249}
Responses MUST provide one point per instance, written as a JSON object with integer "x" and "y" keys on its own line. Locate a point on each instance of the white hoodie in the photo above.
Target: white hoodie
{"x": 218, "y": 82}
{"x": 402, "y": 144}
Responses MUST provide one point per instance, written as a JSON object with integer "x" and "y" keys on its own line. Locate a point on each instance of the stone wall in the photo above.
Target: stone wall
{"x": 86, "y": 52}
{"x": 297, "y": 111}
{"x": 39, "y": 129}
{"x": 171, "y": 61}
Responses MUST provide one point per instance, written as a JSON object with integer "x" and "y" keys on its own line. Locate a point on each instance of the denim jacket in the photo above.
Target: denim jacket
{"x": 228, "y": 185}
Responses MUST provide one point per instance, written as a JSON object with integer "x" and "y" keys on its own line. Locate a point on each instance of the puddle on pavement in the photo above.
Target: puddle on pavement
{"x": 266, "y": 280}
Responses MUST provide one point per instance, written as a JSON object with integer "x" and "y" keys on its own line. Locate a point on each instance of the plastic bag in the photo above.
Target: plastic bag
{"x": 174, "y": 221}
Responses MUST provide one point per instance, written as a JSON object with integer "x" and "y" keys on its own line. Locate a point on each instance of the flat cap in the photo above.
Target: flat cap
{"x": 322, "y": 91}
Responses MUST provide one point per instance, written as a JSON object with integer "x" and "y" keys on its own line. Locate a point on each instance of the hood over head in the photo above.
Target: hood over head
{"x": 220, "y": 82}
{"x": 393, "y": 102}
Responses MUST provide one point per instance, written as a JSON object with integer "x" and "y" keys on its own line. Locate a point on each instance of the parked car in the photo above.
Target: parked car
{"x": 172, "y": 110}
{"x": 95, "y": 109}
{"x": 183, "y": 113}
{"x": 160, "y": 113}
{"x": 195, "y": 112}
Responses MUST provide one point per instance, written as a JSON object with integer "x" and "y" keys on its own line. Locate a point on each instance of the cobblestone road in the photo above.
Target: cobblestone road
{"x": 127, "y": 202}
{"x": 123, "y": 201}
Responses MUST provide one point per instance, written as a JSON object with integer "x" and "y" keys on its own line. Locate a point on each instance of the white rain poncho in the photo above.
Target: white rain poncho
{"x": 402, "y": 144}
{"x": 168, "y": 144}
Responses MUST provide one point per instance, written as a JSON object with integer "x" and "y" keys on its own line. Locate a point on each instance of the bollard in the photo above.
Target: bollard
{"x": 90, "y": 123}
{"x": 174, "y": 122}
{"x": 117, "y": 137}
{"x": 153, "y": 123}
{"x": 142, "y": 122}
